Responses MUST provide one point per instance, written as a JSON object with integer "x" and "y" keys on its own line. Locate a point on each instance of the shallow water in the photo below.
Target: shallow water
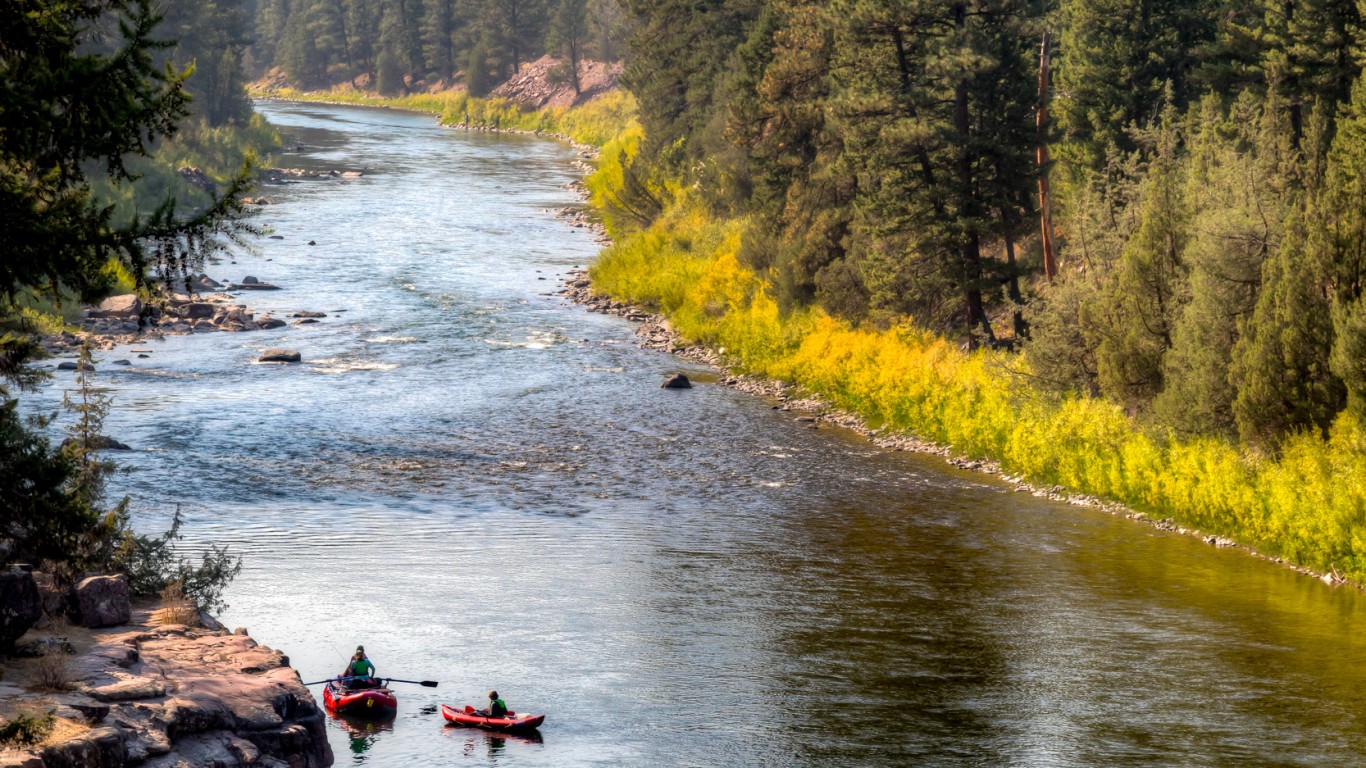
{"x": 486, "y": 487}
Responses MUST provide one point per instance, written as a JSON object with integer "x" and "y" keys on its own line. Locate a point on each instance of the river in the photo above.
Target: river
{"x": 485, "y": 486}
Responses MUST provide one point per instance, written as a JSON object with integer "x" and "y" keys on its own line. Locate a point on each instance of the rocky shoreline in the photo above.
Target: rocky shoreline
{"x": 655, "y": 332}
{"x": 166, "y": 696}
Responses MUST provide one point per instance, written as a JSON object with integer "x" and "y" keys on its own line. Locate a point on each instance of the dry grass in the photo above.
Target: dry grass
{"x": 176, "y": 608}
{"x": 53, "y": 672}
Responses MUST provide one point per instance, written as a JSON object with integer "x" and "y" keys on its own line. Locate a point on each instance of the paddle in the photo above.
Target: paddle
{"x": 423, "y": 683}
{"x": 330, "y": 680}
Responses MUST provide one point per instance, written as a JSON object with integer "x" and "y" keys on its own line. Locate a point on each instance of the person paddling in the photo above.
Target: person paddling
{"x": 497, "y": 708}
{"x": 360, "y": 670}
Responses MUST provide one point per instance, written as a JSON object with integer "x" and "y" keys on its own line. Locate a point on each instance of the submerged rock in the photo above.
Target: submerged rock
{"x": 280, "y": 356}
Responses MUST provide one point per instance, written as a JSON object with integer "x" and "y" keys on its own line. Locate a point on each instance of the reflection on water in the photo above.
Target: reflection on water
{"x": 361, "y": 733}
{"x": 486, "y": 487}
{"x": 476, "y": 743}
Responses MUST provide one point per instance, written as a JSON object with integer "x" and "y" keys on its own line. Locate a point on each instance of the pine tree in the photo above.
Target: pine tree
{"x": 568, "y": 32}
{"x": 54, "y": 237}
{"x": 1281, "y": 365}
{"x": 1118, "y": 59}
{"x": 1346, "y": 189}
{"x": 1149, "y": 286}
{"x": 678, "y": 49}
{"x": 1241, "y": 173}
{"x": 937, "y": 110}
{"x": 438, "y": 37}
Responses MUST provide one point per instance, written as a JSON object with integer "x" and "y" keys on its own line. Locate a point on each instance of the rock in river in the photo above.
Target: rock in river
{"x": 280, "y": 356}
{"x": 101, "y": 443}
{"x": 676, "y": 381}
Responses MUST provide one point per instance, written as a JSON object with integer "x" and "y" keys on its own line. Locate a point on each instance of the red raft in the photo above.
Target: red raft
{"x": 359, "y": 702}
{"x": 512, "y": 722}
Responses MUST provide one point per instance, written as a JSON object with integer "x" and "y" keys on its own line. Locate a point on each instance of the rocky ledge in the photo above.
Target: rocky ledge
{"x": 171, "y": 696}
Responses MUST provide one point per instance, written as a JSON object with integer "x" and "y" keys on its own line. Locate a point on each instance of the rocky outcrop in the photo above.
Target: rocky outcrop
{"x": 676, "y": 381}
{"x": 182, "y": 697}
{"x": 21, "y": 606}
{"x": 102, "y": 601}
{"x": 542, "y": 83}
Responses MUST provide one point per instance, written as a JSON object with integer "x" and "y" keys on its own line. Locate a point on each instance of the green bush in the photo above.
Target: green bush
{"x": 26, "y": 730}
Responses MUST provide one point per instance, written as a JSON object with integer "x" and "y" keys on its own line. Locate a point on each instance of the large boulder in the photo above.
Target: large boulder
{"x": 280, "y": 356}
{"x": 20, "y": 606}
{"x": 102, "y": 601}
{"x": 127, "y": 306}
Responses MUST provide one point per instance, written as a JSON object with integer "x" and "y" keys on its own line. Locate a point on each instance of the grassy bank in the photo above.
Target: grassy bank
{"x": 594, "y": 123}
{"x": 1308, "y": 505}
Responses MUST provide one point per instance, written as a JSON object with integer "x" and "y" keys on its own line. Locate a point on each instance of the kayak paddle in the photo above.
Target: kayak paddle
{"x": 330, "y": 680}
{"x": 423, "y": 683}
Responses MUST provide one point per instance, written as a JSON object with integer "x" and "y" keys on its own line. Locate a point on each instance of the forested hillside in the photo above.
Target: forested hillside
{"x": 1205, "y": 161}
{"x": 398, "y": 45}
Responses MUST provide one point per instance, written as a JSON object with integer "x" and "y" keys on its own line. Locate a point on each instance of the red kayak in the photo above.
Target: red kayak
{"x": 512, "y": 722}
{"x": 367, "y": 702}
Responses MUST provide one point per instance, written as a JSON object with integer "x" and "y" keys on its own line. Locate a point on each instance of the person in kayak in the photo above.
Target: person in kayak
{"x": 496, "y": 707}
{"x": 360, "y": 670}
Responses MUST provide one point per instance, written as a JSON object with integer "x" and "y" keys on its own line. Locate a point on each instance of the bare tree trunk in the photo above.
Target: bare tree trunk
{"x": 1050, "y": 259}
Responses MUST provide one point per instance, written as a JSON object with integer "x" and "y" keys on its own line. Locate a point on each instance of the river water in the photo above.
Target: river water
{"x": 486, "y": 486}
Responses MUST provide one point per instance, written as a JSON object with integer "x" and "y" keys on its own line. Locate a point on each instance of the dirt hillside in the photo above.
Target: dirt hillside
{"x": 532, "y": 86}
